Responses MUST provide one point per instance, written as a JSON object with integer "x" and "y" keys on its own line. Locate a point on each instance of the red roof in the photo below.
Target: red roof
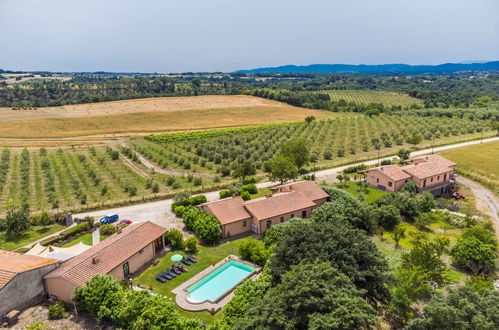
{"x": 309, "y": 188}
{"x": 12, "y": 263}
{"x": 227, "y": 210}
{"x": 108, "y": 254}
{"x": 393, "y": 172}
{"x": 278, "y": 204}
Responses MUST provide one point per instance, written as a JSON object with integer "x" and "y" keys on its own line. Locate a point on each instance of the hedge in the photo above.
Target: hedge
{"x": 82, "y": 227}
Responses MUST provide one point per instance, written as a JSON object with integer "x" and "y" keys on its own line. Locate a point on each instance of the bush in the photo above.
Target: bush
{"x": 37, "y": 325}
{"x": 255, "y": 252}
{"x": 250, "y": 188}
{"x": 108, "y": 229}
{"x": 196, "y": 200}
{"x": 68, "y": 233}
{"x": 245, "y": 195}
{"x": 191, "y": 243}
{"x": 179, "y": 211}
{"x": 57, "y": 311}
{"x": 225, "y": 193}
{"x": 175, "y": 238}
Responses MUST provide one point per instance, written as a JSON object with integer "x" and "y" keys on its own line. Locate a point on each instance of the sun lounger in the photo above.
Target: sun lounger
{"x": 176, "y": 271}
{"x": 179, "y": 266}
{"x": 169, "y": 272}
{"x": 160, "y": 278}
{"x": 166, "y": 275}
{"x": 191, "y": 258}
{"x": 186, "y": 262}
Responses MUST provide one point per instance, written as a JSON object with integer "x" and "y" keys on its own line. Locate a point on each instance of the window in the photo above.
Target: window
{"x": 406, "y": 181}
{"x": 281, "y": 219}
{"x": 390, "y": 183}
{"x": 244, "y": 223}
{"x": 377, "y": 180}
{"x": 269, "y": 223}
{"x": 445, "y": 177}
{"x": 431, "y": 179}
{"x": 438, "y": 177}
{"x": 292, "y": 216}
{"x": 126, "y": 269}
{"x": 304, "y": 213}
{"x": 424, "y": 183}
{"x": 141, "y": 250}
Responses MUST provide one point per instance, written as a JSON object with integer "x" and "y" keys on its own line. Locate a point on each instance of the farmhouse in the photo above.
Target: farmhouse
{"x": 237, "y": 216}
{"x": 432, "y": 173}
{"x": 21, "y": 280}
{"x": 120, "y": 255}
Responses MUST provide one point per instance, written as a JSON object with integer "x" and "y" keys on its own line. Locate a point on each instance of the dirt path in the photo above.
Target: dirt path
{"x": 484, "y": 198}
{"x": 130, "y": 164}
{"x": 158, "y": 169}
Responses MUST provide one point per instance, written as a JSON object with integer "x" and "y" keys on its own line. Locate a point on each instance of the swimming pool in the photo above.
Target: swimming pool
{"x": 218, "y": 282}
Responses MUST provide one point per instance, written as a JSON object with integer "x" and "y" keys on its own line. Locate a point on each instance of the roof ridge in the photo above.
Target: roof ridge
{"x": 83, "y": 259}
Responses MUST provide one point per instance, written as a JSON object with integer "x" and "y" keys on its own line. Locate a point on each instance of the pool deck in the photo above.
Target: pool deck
{"x": 181, "y": 290}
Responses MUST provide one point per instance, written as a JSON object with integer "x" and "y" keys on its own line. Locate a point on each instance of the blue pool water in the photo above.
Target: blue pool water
{"x": 215, "y": 284}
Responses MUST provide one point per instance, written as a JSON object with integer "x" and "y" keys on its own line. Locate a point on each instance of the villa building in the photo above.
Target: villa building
{"x": 432, "y": 173}
{"x": 237, "y": 216}
{"x": 120, "y": 255}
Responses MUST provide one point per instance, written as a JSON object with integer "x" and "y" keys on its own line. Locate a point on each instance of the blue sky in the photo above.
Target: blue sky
{"x": 226, "y": 35}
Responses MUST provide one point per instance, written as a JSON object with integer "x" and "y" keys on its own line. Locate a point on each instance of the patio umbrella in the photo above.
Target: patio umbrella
{"x": 176, "y": 257}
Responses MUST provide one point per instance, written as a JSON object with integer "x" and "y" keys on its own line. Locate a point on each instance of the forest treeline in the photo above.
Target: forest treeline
{"x": 306, "y": 90}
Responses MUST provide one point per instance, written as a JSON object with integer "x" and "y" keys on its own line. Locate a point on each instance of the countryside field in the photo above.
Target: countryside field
{"x": 80, "y": 178}
{"x": 148, "y": 116}
{"x": 334, "y": 142}
{"x": 366, "y": 97}
{"x": 479, "y": 162}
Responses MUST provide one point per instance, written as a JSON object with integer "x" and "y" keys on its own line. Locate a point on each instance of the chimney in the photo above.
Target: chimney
{"x": 95, "y": 260}
{"x": 381, "y": 168}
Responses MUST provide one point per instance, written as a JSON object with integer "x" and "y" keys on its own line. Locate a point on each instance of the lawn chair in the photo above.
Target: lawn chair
{"x": 160, "y": 278}
{"x": 186, "y": 262}
{"x": 169, "y": 272}
{"x": 176, "y": 271}
{"x": 166, "y": 275}
{"x": 178, "y": 265}
{"x": 191, "y": 258}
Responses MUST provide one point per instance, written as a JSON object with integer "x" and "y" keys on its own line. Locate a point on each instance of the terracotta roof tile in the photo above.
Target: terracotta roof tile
{"x": 227, "y": 210}
{"x": 393, "y": 172}
{"x": 267, "y": 207}
{"x": 309, "y": 188}
{"x": 109, "y": 254}
{"x": 12, "y": 263}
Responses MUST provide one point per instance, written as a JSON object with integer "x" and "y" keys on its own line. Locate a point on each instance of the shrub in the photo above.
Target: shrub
{"x": 108, "y": 229}
{"x": 250, "y": 188}
{"x": 245, "y": 195}
{"x": 255, "y": 252}
{"x": 196, "y": 200}
{"x": 175, "y": 238}
{"x": 197, "y": 181}
{"x": 68, "y": 233}
{"x": 37, "y": 325}
{"x": 191, "y": 243}
{"x": 225, "y": 193}
{"x": 57, "y": 311}
{"x": 179, "y": 211}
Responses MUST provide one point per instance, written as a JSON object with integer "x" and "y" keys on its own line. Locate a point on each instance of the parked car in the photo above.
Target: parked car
{"x": 110, "y": 218}
{"x": 125, "y": 222}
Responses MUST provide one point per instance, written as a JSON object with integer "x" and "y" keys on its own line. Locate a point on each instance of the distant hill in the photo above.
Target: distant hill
{"x": 382, "y": 68}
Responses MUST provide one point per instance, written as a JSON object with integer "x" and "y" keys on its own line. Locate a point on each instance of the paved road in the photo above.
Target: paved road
{"x": 485, "y": 196}
{"x": 159, "y": 211}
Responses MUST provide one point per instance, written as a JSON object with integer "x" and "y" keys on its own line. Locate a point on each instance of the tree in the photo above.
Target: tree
{"x": 243, "y": 170}
{"x": 343, "y": 178}
{"x": 461, "y": 308}
{"x": 181, "y": 197}
{"x": 473, "y": 255}
{"x": 347, "y": 249}
{"x": 388, "y": 216}
{"x": 404, "y": 154}
{"x": 313, "y": 296}
{"x": 175, "y": 238}
{"x": 101, "y": 297}
{"x": 191, "y": 243}
{"x": 398, "y": 233}
{"x": 297, "y": 151}
{"x": 44, "y": 219}
{"x": 495, "y": 126}
{"x": 410, "y": 187}
{"x": 207, "y": 228}
{"x": 414, "y": 139}
{"x": 16, "y": 222}
{"x": 309, "y": 119}
{"x": 424, "y": 220}
{"x": 282, "y": 169}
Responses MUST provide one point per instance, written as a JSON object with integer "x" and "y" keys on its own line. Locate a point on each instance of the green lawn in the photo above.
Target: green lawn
{"x": 33, "y": 234}
{"x": 261, "y": 193}
{"x": 206, "y": 256}
{"x": 86, "y": 239}
{"x": 371, "y": 194}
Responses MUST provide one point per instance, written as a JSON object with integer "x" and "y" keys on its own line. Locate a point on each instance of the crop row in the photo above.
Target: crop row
{"x": 368, "y": 97}
{"x": 328, "y": 140}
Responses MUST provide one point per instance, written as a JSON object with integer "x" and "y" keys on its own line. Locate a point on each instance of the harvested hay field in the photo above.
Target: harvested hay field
{"x": 141, "y": 123}
{"x": 154, "y": 105}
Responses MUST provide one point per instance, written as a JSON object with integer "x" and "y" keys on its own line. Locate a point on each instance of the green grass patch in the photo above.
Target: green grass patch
{"x": 206, "y": 256}
{"x": 261, "y": 193}
{"x": 33, "y": 234}
{"x": 371, "y": 194}
{"x": 85, "y": 239}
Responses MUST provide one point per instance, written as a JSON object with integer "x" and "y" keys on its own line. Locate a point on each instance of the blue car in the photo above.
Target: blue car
{"x": 110, "y": 218}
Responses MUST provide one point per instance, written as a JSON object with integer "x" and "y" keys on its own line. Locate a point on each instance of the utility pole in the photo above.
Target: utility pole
{"x": 433, "y": 145}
